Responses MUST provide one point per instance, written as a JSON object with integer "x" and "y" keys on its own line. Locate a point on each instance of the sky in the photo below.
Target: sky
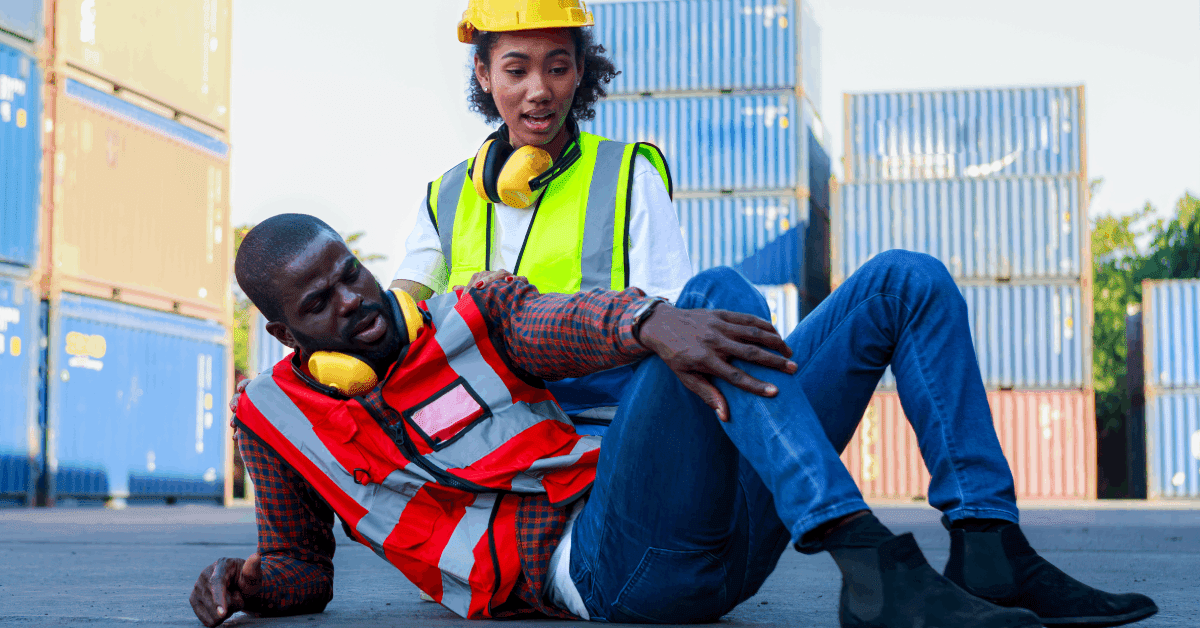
{"x": 347, "y": 114}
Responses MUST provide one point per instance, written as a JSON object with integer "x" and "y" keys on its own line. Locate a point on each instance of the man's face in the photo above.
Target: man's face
{"x": 331, "y": 303}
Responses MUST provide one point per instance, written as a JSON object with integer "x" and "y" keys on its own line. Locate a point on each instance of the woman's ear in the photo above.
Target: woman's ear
{"x": 481, "y": 75}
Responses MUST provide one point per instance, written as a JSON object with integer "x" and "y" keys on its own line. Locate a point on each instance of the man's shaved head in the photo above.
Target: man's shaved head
{"x": 270, "y": 246}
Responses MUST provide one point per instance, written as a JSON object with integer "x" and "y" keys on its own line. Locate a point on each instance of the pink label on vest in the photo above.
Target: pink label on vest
{"x": 447, "y": 415}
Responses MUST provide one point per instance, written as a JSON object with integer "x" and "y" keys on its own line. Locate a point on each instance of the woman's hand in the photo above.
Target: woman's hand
{"x": 484, "y": 277}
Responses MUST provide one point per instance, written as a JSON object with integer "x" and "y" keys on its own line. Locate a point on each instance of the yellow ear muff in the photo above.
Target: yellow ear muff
{"x": 413, "y": 320}
{"x": 345, "y": 373}
{"x": 514, "y": 184}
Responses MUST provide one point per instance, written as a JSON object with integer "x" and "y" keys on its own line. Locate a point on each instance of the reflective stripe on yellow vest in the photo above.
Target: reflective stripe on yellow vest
{"x": 578, "y": 237}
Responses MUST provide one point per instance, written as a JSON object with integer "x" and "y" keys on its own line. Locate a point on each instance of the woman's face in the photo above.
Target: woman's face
{"x": 532, "y": 76}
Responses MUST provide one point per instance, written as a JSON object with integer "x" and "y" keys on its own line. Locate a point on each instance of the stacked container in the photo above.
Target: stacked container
{"x": 20, "y": 309}
{"x": 1171, "y": 336}
{"x": 115, "y": 249}
{"x": 992, "y": 182}
{"x": 726, "y": 88}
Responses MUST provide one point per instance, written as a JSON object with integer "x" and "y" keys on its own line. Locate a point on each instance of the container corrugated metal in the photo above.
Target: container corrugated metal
{"x": 820, "y": 171}
{"x": 1171, "y": 314}
{"x": 22, "y": 18}
{"x": 176, "y": 53}
{"x": 20, "y": 434}
{"x": 141, "y": 205}
{"x": 964, "y": 133}
{"x": 137, "y": 402}
{"x": 717, "y": 143}
{"x": 1173, "y": 443}
{"x": 1048, "y": 438}
{"x": 265, "y": 350}
{"x": 810, "y": 55}
{"x": 1028, "y": 227}
{"x": 784, "y": 302}
{"x": 708, "y": 45}
{"x": 20, "y": 156}
{"x": 772, "y": 240}
{"x": 1026, "y": 336}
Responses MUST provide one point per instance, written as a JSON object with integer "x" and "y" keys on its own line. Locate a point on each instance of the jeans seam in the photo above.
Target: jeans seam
{"x": 827, "y": 514}
{"x": 976, "y": 512}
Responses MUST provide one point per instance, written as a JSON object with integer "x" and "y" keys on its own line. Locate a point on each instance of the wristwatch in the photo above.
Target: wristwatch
{"x": 642, "y": 313}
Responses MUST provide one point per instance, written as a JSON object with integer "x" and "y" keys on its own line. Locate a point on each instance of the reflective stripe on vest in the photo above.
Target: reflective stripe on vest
{"x": 578, "y": 237}
{"x": 432, "y": 495}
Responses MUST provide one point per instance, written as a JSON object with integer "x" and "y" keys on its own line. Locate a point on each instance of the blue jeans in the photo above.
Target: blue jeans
{"x": 689, "y": 515}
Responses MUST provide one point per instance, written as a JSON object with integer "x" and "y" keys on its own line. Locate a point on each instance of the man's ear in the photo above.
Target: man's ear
{"x": 283, "y": 335}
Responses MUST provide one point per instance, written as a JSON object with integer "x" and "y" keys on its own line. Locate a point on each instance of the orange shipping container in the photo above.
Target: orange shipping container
{"x": 140, "y": 207}
{"x": 1049, "y": 439}
{"x": 176, "y": 52}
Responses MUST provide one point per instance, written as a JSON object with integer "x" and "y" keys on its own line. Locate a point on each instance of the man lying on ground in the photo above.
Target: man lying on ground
{"x": 459, "y": 469}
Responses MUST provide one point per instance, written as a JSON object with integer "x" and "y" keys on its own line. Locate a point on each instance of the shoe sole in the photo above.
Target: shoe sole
{"x": 1101, "y": 622}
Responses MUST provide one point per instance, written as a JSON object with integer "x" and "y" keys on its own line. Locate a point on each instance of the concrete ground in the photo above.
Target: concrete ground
{"x": 84, "y": 567}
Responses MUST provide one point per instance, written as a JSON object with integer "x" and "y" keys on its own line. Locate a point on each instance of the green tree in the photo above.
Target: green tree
{"x": 1121, "y": 266}
{"x": 243, "y": 310}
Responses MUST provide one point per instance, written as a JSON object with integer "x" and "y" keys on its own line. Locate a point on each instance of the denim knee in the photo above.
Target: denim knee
{"x": 723, "y": 288}
{"x": 914, "y": 269}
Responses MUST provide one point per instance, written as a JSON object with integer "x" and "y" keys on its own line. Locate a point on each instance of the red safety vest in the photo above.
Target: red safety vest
{"x": 437, "y": 498}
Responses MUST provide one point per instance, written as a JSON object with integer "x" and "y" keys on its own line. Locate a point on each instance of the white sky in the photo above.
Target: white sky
{"x": 347, "y": 114}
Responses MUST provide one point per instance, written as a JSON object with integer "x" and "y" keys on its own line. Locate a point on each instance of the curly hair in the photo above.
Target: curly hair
{"x": 598, "y": 71}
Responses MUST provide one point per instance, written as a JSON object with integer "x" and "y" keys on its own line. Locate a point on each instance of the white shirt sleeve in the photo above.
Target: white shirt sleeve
{"x": 423, "y": 259}
{"x": 658, "y": 259}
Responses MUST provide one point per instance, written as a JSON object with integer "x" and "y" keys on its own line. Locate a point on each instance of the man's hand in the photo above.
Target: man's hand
{"x": 223, "y": 588}
{"x": 698, "y": 344}
{"x": 484, "y": 277}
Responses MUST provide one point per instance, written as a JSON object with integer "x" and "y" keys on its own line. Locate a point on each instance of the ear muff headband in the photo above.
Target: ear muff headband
{"x": 517, "y": 178}
{"x": 351, "y": 375}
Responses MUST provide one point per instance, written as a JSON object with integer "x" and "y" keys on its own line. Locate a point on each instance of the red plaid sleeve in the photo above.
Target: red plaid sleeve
{"x": 554, "y": 336}
{"x": 295, "y": 536}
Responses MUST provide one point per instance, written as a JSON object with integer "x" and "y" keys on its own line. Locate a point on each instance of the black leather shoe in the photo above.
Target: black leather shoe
{"x": 892, "y": 586}
{"x": 1002, "y": 568}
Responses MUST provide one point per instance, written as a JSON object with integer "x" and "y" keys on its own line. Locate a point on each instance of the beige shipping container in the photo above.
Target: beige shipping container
{"x": 140, "y": 207}
{"x": 175, "y": 52}
{"x": 1048, "y": 438}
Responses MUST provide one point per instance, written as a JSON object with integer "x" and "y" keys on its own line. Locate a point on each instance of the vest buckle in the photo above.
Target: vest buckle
{"x": 361, "y": 476}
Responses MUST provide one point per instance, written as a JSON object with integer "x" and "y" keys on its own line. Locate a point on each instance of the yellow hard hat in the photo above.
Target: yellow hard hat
{"x": 520, "y": 15}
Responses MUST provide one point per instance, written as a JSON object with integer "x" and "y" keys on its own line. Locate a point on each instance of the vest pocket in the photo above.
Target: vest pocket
{"x": 447, "y": 415}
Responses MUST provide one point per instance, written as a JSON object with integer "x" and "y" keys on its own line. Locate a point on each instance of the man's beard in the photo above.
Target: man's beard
{"x": 377, "y": 357}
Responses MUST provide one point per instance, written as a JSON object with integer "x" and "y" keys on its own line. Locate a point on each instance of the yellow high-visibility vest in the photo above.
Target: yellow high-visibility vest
{"x": 578, "y": 238}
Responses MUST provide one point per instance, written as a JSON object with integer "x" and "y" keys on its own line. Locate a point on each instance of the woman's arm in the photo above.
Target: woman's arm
{"x": 658, "y": 258}
{"x": 424, "y": 271}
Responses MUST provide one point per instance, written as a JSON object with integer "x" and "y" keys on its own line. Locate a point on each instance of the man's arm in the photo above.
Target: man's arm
{"x": 292, "y": 571}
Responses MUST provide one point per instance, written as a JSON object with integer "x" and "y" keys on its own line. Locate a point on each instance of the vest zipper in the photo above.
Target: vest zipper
{"x": 487, "y": 240}
{"x": 410, "y": 452}
{"x": 524, "y": 243}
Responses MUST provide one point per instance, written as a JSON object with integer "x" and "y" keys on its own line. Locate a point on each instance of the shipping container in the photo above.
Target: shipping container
{"x": 265, "y": 350}
{"x": 141, "y": 207}
{"x": 964, "y": 133}
{"x": 820, "y": 171}
{"x": 1027, "y": 227}
{"x": 1173, "y": 443}
{"x": 1171, "y": 311}
{"x": 664, "y": 46}
{"x": 1048, "y": 438}
{"x": 770, "y": 239}
{"x": 20, "y": 156}
{"x": 729, "y": 143}
{"x": 174, "y": 53}
{"x": 137, "y": 402}
{"x": 20, "y": 432}
{"x": 22, "y": 18}
{"x": 1027, "y": 337}
{"x": 784, "y": 303}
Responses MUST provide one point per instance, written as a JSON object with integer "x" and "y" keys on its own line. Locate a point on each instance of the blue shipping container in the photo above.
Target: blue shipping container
{"x": 717, "y": 143}
{"x": 20, "y": 436}
{"x": 1173, "y": 444}
{"x": 772, "y": 240}
{"x": 22, "y": 18}
{"x": 966, "y": 133}
{"x": 664, "y": 46}
{"x": 1029, "y": 227}
{"x": 20, "y": 155}
{"x": 265, "y": 350}
{"x": 137, "y": 402}
{"x": 1171, "y": 313}
{"x": 1027, "y": 337}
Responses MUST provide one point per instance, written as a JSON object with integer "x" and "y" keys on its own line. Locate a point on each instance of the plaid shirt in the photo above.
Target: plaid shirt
{"x": 550, "y": 336}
